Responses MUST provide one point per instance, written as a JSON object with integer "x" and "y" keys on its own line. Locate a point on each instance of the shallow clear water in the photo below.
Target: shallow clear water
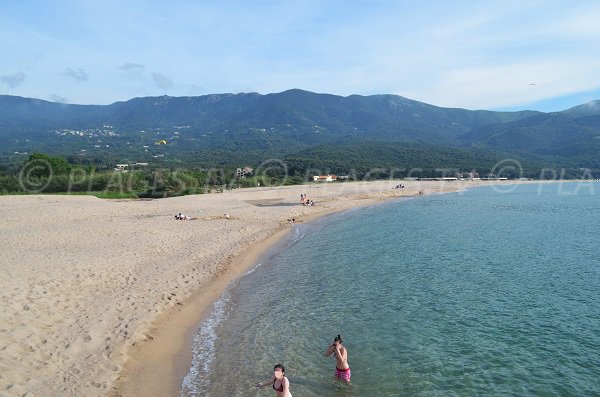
{"x": 486, "y": 292}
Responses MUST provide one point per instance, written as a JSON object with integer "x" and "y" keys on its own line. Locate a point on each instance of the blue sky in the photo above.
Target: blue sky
{"x": 474, "y": 55}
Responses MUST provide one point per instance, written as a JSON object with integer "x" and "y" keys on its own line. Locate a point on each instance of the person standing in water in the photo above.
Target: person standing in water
{"x": 280, "y": 383}
{"x": 342, "y": 368}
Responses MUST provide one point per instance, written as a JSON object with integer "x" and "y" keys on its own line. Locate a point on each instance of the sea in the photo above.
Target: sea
{"x": 491, "y": 291}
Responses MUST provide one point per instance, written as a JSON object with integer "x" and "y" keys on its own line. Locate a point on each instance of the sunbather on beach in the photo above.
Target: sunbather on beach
{"x": 342, "y": 368}
{"x": 181, "y": 217}
{"x": 280, "y": 383}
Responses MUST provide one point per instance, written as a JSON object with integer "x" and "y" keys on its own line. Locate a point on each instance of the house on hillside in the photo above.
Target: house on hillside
{"x": 324, "y": 178}
{"x": 129, "y": 167}
{"x": 243, "y": 172}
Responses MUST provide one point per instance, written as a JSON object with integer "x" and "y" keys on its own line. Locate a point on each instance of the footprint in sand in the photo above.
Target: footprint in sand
{"x": 96, "y": 384}
{"x": 112, "y": 367}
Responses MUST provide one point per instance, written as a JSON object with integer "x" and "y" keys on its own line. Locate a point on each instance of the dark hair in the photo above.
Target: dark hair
{"x": 338, "y": 339}
{"x": 279, "y": 366}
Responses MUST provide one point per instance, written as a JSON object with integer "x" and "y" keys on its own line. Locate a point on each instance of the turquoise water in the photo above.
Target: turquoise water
{"x": 488, "y": 292}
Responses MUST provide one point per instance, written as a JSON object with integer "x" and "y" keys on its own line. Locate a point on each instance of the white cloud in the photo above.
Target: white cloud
{"x": 57, "y": 98}
{"x": 162, "y": 81}
{"x": 507, "y": 85}
{"x": 132, "y": 67}
{"x": 14, "y": 80}
{"x": 77, "y": 74}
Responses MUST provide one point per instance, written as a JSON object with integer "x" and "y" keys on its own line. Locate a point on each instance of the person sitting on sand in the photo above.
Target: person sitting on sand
{"x": 280, "y": 383}
{"x": 304, "y": 200}
{"x": 342, "y": 368}
{"x": 181, "y": 217}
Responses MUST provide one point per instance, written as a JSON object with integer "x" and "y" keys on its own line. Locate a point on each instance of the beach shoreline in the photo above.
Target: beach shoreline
{"x": 108, "y": 295}
{"x": 134, "y": 378}
{"x": 157, "y": 367}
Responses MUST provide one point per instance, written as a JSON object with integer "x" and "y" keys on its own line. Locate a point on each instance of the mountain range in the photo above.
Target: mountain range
{"x": 241, "y": 129}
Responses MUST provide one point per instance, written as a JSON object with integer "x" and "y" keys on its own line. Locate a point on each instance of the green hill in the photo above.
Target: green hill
{"x": 234, "y": 129}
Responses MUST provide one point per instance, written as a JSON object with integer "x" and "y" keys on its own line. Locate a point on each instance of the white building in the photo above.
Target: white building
{"x": 243, "y": 172}
{"x": 324, "y": 178}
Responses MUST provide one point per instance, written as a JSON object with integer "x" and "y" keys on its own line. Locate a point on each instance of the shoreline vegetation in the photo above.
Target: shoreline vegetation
{"x": 46, "y": 174}
{"x": 102, "y": 297}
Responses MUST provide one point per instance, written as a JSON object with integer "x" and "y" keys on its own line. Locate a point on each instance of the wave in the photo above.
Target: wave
{"x": 196, "y": 382}
{"x": 252, "y": 270}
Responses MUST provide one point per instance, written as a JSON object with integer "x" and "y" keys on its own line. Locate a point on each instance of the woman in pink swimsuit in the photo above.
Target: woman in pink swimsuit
{"x": 342, "y": 369}
{"x": 280, "y": 383}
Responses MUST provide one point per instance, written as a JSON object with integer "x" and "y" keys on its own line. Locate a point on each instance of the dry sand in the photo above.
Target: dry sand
{"x": 100, "y": 297}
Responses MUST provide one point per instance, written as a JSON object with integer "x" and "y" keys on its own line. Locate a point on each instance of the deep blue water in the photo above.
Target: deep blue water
{"x": 488, "y": 292}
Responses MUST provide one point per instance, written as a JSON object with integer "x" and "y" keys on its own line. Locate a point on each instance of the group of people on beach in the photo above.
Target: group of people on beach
{"x": 281, "y": 383}
{"x": 182, "y": 217}
{"x": 305, "y": 201}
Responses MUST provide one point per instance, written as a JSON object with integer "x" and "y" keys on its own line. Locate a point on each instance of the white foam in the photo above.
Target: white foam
{"x": 299, "y": 234}
{"x": 196, "y": 382}
{"x": 253, "y": 269}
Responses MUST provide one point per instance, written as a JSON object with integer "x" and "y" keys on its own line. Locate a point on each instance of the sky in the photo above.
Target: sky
{"x": 495, "y": 55}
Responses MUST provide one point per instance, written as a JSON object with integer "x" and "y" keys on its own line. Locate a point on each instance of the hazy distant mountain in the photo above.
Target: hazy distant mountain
{"x": 591, "y": 108}
{"x": 572, "y": 134}
{"x": 236, "y": 127}
{"x": 378, "y": 116}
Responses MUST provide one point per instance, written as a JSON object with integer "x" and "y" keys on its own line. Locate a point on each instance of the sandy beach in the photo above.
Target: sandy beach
{"x": 101, "y": 297}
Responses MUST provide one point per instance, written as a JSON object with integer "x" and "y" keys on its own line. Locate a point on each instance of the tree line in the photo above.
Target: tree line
{"x": 47, "y": 174}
